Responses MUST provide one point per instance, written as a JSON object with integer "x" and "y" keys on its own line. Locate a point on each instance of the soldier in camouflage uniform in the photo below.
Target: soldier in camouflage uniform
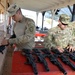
{"x": 60, "y": 36}
{"x": 24, "y": 29}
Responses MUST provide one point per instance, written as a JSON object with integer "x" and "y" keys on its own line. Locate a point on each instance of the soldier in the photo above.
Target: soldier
{"x": 60, "y": 36}
{"x": 24, "y": 29}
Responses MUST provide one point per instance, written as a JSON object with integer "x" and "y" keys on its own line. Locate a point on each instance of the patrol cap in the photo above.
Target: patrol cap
{"x": 12, "y": 9}
{"x": 65, "y": 19}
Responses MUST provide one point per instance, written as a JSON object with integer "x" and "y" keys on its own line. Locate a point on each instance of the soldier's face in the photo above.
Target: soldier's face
{"x": 16, "y": 17}
{"x": 62, "y": 26}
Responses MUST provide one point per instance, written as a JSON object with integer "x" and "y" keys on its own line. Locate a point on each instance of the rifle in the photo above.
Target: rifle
{"x": 2, "y": 48}
{"x": 63, "y": 58}
{"x": 54, "y": 60}
{"x": 13, "y": 36}
{"x": 41, "y": 58}
{"x": 73, "y": 53}
{"x": 30, "y": 60}
{"x": 70, "y": 54}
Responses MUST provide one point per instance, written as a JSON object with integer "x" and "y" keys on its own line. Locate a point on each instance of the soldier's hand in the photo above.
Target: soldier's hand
{"x": 71, "y": 48}
{"x": 61, "y": 50}
{"x": 4, "y": 42}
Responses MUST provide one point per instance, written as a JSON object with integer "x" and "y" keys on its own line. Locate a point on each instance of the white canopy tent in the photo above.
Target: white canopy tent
{"x": 42, "y": 5}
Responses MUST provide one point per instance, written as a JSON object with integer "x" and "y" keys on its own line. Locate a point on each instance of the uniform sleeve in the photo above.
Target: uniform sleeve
{"x": 49, "y": 40}
{"x": 28, "y": 34}
{"x": 72, "y": 29}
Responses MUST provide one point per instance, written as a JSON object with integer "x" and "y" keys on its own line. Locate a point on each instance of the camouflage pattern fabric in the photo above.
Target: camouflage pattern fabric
{"x": 72, "y": 27}
{"x": 65, "y": 19}
{"x": 58, "y": 37}
{"x": 25, "y": 34}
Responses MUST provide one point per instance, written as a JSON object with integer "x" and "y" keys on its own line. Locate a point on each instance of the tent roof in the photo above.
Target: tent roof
{"x": 43, "y": 5}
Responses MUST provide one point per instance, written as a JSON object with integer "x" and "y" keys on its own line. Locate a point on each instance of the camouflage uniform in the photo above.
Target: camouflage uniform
{"x": 72, "y": 27}
{"x": 57, "y": 37}
{"x": 24, "y": 30}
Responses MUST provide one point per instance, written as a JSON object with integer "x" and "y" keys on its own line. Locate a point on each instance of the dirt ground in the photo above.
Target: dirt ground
{"x": 6, "y": 70}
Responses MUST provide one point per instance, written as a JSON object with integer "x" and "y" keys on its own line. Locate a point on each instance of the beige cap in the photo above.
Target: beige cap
{"x": 12, "y": 9}
{"x": 65, "y": 19}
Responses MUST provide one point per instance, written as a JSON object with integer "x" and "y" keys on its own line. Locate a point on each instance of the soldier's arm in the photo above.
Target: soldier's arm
{"x": 49, "y": 40}
{"x": 52, "y": 40}
{"x": 28, "y": 34}
{"x": 71, "y": 44}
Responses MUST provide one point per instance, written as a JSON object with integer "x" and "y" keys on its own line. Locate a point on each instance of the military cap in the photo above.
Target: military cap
{"x": 65, "y": 19}
{"x": 12, "y": 9}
